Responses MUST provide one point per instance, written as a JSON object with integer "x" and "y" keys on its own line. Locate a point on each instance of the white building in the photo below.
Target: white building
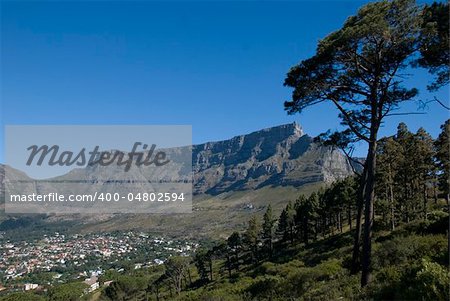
{"x": 30, "y": 286}
{"x": 92, "y": 283}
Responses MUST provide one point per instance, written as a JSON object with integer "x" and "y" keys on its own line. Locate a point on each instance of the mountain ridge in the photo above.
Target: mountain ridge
{"x": 277, "y": 156}
{"x": 280, "y": 156}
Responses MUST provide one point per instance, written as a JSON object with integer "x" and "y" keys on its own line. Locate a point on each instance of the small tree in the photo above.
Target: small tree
{"x": 406, "y": 170}
{"x": 306, "y": 213}
{"x": 234, "y": 243}
{"x": 176, "y": 270}
{"x": 268, "y": 229}
{"x": 286, "y": 223}
{"x": 251, "y": 237}
{"x": 389, "y": 159}
{"x": 424, "y": 165}
{"x": 443, "y": 160}
{"x": 201, "y": 262}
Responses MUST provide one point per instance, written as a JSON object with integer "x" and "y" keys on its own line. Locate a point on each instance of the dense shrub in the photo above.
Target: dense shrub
{"x": 401, "y": 250}
{"x": 432, "y": 281}
{"x": 22, "y": 297}
{"x": 266, "y": 288}
{"x": 424, "y": 280}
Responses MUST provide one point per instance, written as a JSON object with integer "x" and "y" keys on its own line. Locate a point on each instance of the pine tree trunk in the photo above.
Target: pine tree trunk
{"x": 391, "y": 198}
{"x": 359, "y": 212}
{"x": 447, "y": 197}
{"x": 305, "y": 233}
{"x": 369, "y": 196}
{"x": 333, "y": 224}
{"x": 291, "y": 234}
{"x": 270, "y": 247}
{"x": 425, "y": 197}
{"x": 210, "y": 268}
{"x": 435, "y": 195}
{"x": 236, "y": 255}
{"x": 406, "y": 200}
{"x": 349, "y": 217}
{"x": 315, "y": 231}
{"x": 229, "y": 265}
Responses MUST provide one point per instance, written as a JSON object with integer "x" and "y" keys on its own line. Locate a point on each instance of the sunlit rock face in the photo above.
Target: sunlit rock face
{"x": 281, "y": 155}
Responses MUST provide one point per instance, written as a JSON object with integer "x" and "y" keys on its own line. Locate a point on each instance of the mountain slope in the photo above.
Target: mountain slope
{"x": 277, "y": 156}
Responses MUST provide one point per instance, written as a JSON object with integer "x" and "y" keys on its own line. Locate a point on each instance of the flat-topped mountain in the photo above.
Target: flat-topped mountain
{"x": 281, "y": 155}
{"x": 276, "y": 156}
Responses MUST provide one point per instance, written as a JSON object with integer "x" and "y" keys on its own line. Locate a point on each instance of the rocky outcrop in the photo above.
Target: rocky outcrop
{"x": 281, "y": 155}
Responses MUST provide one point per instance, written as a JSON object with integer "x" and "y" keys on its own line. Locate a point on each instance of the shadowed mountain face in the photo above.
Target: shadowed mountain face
{"x": 277, "y": 156}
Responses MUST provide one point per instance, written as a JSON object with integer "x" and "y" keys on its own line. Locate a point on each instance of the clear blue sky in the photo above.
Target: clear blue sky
{"x": 218, "y": 66}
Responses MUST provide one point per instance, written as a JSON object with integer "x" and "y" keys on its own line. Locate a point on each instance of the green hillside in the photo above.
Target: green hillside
{"x": 409, "y": 264}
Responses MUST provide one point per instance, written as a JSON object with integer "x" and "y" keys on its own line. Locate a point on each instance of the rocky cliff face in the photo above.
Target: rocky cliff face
{"x": 281, "y": 155}
{"x": 277, "y": 156}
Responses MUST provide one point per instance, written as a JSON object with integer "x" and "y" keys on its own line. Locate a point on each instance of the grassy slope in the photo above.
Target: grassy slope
{"x": 212, "y": 216}
{"x": 410, "y": 263}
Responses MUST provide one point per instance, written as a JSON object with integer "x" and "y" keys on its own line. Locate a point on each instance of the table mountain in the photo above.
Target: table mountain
{"x": 281, "y": 155}
{"x": 277, "y": 156}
